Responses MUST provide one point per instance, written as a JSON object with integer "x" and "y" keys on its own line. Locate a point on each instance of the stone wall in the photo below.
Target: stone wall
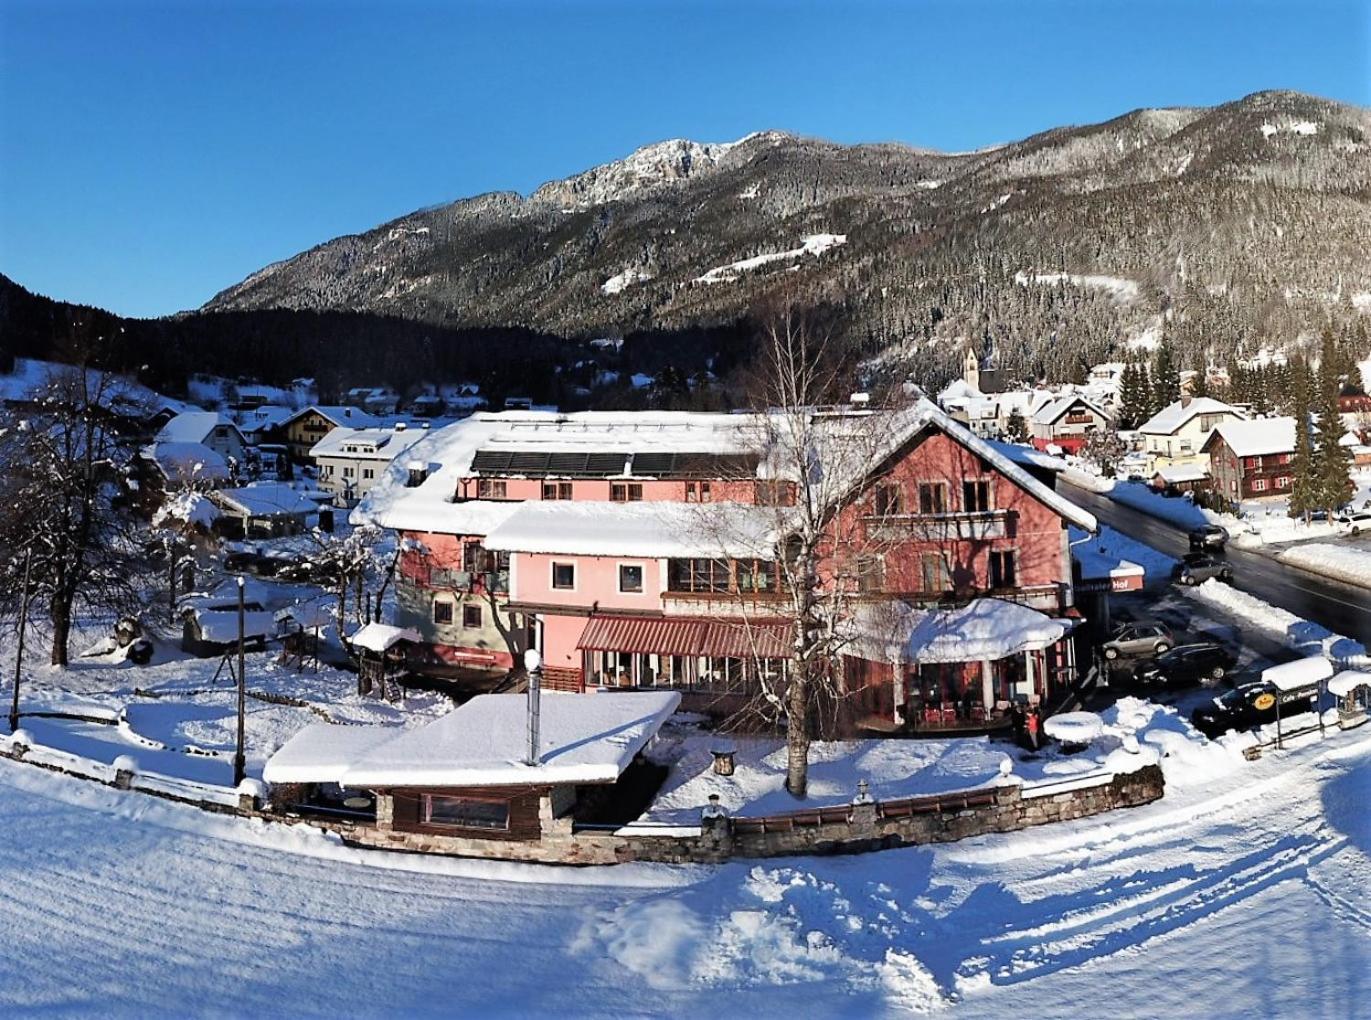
{"x": 867, "y": 827}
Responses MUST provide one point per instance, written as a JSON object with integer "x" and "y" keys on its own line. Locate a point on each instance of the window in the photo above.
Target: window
{"x": 368, "y": 473}
{"x": 464, "y": 812}
{"x": 976, "y": 496}
{"x": 564, "y": 576}
{"x": 556, "y": 490}
{"x": 442, "y": 611}
{"x": 1259, "y": 485}
{"x": 698, "y": 575}
{"x": 489, "y": 488}
{"x": 625, "y": 492}
{"x": 471, "y": 616}
{"x": 773, "y": 492}
{"x": 631, "y": 578}
{"x": 932, "y": 498}
{"x": 888, "y": 500}
{"x": 347, "y": 472}
{"x": 1003, "y": 569}
{"x": 870, "y": 574}
{"x": 755, "y": 575}
{"x": 934, "y": 573}
{"x": 1283, "y": 482}
{"x": 1251, "y": 462}
{"x": 698, "y": 492}
{"x": 1186, "y": 446}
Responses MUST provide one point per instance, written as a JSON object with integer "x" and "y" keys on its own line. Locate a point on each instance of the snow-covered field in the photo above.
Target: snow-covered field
{"x": 1346, "y": 562}
{"x": 1244, "y": 892}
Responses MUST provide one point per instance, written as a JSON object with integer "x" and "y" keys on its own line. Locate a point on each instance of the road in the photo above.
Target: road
{"x": 1343, "y": 608}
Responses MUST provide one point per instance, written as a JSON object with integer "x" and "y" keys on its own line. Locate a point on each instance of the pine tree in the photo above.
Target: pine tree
{"x": 1016, "y": 429}
{"x": 1166, "y": 377}
{"x": 1147, "y": 393}
{"x": 1303, "y": 491}
{"x": 1199, "y": 387}
{"x": 1332, "y": 461}
{"x": 1134, "y": 398}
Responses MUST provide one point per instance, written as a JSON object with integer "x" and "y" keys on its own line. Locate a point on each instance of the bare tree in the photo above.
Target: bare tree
{"x": 815, "y": 458}
{"x": 60, "y": 458}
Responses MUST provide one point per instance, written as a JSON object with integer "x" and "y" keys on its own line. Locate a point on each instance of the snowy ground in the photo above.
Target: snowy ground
{"x": 1241, "y": 893}
{"x": 1346, "y": 562}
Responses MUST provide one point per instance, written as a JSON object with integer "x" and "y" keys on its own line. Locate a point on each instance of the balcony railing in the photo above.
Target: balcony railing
{"x": 463, "y": 581}
{"x": 978, "y": 526}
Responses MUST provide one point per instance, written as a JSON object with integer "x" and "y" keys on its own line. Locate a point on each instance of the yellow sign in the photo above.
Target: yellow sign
{"x": 1263, "y": 701}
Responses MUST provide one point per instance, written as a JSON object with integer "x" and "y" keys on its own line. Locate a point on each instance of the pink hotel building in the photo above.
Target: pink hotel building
{"x": 638, "y": 550}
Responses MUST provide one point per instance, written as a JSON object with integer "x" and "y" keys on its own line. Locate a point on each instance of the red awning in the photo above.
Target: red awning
{"x": 686, "y": 636}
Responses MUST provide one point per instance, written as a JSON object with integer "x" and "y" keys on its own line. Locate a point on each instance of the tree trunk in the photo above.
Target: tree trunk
{"x": 797, "y": 735}
{"x": 61, "y": 631}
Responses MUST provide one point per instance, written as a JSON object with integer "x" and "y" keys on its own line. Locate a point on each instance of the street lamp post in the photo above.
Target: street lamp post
{"x": 239, "y": 761}
{"x": 19, "y": 656}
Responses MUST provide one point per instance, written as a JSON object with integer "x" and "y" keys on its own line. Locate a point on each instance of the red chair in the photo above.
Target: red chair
{"x": 933, "y": 717}
{"x": 949, "y": 716}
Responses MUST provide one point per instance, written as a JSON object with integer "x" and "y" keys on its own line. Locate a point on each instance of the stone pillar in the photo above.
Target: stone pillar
{"x": 716, "y": 836}
{"x": 385, "y": 810}
{"x": 863, "y": 823}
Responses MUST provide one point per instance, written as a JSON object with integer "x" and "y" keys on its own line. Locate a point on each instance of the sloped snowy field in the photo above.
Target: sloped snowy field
{"x": 1245, "y": 892}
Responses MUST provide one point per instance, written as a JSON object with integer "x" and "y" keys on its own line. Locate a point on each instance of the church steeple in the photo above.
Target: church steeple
{"x": 971, "y": 368}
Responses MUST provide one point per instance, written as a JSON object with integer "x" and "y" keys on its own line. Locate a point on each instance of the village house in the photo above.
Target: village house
{"x": 639, "y": 551}
{"x": 1174, "y": 437}
{"x": 1252, "y": 459}
{"x": 262, "y": 510}
{"x": 209, "y": 428}
{"x": 1067, "y": 423}
{"x": 302, "y": 430}
{"x": 350, "y": 460}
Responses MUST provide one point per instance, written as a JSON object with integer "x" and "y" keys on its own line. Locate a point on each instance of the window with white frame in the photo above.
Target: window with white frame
{"x": 631, "y": 578}
{"x": 564, "y": 576}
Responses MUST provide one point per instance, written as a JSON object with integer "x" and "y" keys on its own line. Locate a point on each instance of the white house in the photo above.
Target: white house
{"x": 212, "y": 429}
{"x": 1175, "y": 436}
{"x": 351, "y": 460}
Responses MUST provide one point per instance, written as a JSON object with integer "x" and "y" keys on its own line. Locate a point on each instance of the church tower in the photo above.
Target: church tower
{"x": 971, "y": 368}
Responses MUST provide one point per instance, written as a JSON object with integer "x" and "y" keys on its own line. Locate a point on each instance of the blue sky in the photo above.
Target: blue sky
{"x": 152, "y": 153}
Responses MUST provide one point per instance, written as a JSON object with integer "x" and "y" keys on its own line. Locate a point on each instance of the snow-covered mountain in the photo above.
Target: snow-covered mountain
{"x": 1243, "y": 223}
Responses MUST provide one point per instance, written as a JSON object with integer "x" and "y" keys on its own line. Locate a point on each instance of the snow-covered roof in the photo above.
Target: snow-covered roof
{"x": 985, "y": 628}
{"x": 1291, "y": 676}
{"x": 322, "y": 752}
{"x": 844, "y": 448}
{"x": 193, "y": 427}
{"x": 381, "y": 637}
{"x": 1257, "y": 437}
{"x": 584, "y": 738}
{"x": 1049, "y": 413}
{"x": 1344, "y": 683}
{"x": 1173, "y": 417}
{"x": 982, "y": 629}
{"x": 185, "y": 461}
{"x": 1176, "y": 474}
{"x": 366, "y": 443}
{"x": 265, "y": 499}
{"x": 1029, "y": 456}
{"x": 655, "y": 529}
{"x": 220, "y": 626}
{"x": 339, "y": 414}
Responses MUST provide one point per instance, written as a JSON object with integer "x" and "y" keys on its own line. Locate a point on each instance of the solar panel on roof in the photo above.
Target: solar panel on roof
{"x": 528, "y": 462}
{"x": 604, "y": 463}
{"x": 490, "y": 460}
{"x": 653, "y": 463}
{"x": 566, "y": 463}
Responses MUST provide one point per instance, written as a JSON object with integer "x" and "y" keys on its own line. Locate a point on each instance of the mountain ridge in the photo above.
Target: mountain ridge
{"x": 1234, "y": 222}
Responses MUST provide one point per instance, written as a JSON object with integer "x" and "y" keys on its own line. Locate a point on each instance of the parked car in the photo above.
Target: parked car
{"x": 1356, "y": 520}
{"x": 1129, "y": 640}
{"x": 1208, "y": 538}
{"x": 1248, "y": 706}
{"x": 1196, "y": 568}
{"x": 241, "y": 560}
{"x": 1186, "y": 664}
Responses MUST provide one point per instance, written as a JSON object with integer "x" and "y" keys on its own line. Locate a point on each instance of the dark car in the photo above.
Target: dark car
{"x": 1208, "y": 538}
{"x": 241, "y": 560}
{"x": 1196, "y": 568}
{"x": 1248, "y": 706}
{"x": 1186, "y": 664}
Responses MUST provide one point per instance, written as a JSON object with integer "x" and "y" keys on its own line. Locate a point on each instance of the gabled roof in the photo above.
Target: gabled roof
{"x": 1255, "y": 438}
{"x": 339, "y": 414}
{"x": 1172, "y": 418}
{"x": 182, "y": 462}
{"x": 193, "y": 427}
{"x": 1050, "y": 413}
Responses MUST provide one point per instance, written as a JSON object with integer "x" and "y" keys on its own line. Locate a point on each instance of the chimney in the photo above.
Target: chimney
{"x": 1185, "y": 399}
{"x": 418, "y": 472}
{"x": 533, "y": 663}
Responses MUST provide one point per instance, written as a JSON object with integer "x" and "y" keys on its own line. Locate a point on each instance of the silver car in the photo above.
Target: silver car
{"x": 1136, "y": 639}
